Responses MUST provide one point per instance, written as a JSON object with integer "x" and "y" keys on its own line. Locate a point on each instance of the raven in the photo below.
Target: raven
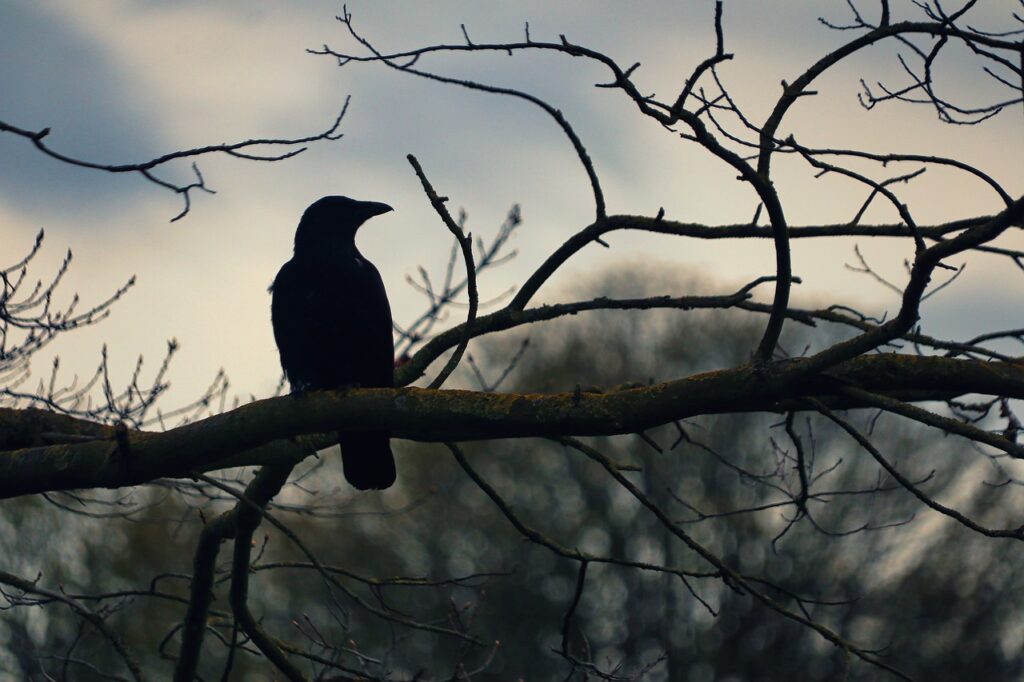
{"x": 332, "y": 323}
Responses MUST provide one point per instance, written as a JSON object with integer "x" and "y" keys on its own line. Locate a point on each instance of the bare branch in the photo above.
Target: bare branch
{"x": 466, "y": 244}
{"x": 145, "y": 168}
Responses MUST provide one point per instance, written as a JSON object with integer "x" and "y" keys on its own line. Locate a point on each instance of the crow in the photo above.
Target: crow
{"x": 332, "y": 324}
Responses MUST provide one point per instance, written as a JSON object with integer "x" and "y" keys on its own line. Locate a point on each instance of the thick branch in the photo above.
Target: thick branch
{"x": 259, "y": 492}
{"x": 248, "y": 518}
{"x": 429, "y": 415}
{"x": 201, "y": 593}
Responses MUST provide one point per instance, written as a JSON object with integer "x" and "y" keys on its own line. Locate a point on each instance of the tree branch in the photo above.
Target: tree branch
{"x": 431, "y": 415}
{"x": 145, "y": 168}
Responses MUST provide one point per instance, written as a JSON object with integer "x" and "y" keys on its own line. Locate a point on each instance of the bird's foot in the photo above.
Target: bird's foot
{"x": 300, "y": 389}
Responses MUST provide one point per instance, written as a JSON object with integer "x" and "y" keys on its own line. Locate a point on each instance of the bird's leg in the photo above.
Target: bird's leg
{"x": 300, "y": 389}
{"x": 344, "y": 388}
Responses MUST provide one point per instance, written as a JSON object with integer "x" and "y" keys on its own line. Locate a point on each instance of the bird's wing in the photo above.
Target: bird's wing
{"x": 368, "y": 330}
{"x": 333, "y": 327}
{"x": 296, "y": 318}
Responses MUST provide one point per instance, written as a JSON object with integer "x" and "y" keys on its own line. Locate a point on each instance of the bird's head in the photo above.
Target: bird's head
{"x": 334, "y": 220}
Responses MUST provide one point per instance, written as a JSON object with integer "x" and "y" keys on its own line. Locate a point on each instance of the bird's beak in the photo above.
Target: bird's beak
{"x": 372, "y": 208}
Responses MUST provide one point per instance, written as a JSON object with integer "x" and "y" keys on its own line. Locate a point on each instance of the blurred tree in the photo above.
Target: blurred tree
{"x": 943, "y": 597}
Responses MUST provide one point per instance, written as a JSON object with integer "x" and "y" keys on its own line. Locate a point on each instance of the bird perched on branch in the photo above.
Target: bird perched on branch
{"x": 332, "y": 324}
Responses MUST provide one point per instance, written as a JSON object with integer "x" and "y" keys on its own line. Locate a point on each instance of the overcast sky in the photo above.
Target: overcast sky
{"x": 124, "y": 80}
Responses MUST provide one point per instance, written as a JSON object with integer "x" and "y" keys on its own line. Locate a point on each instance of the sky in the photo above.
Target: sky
{"x": 125, "y": 80}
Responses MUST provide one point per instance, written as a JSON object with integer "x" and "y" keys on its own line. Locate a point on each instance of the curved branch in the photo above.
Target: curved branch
{"x": 466, "y": 245}
{"x": 798, "y": 88}
{"x": 937, "y": 421}
{"x": 248, "y": 518}
{"x": 1012, "y": 533}
{"x": 264, "y": 486}
{"x": 508, "y": 319}
{"x": 327, "y": 574}
{"x": 204, "y": 562}
{"x": 430, "y": 415}
{"x": 660, "y": 225}
{"x": 559, "y": 118}
{"x": 145, "y": 168}
{"x": 924, "y": 265}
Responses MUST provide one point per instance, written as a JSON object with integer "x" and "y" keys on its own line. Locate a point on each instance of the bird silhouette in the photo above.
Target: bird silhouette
{"x": 332, "y": 324}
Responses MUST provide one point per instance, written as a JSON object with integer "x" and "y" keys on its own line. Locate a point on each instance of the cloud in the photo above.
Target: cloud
{"x": 59, "y": 79}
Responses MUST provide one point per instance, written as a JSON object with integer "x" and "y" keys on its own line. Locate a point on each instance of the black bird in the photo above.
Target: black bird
{"x": 332, "y": 324}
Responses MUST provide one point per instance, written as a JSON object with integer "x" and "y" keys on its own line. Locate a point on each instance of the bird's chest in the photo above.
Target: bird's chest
{"x": 332, "y": 323}
{"x": 350, "y": 294}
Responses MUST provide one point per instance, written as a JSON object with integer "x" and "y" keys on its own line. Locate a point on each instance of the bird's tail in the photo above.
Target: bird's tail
{"x": 367, "y": 459}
